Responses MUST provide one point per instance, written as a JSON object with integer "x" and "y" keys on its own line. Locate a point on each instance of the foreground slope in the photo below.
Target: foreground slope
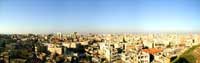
{"x": 192, "y": 55}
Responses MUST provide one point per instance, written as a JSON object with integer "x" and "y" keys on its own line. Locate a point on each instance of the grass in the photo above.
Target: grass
{"x": 187, "y": 56}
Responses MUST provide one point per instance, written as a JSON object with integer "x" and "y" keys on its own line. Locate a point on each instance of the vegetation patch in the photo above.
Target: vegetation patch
{"x": 187, "y": 56}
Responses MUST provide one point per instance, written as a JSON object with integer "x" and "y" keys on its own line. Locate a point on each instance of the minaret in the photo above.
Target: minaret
{"x": 35, "y": 49}
{"x": 153, "y": 44}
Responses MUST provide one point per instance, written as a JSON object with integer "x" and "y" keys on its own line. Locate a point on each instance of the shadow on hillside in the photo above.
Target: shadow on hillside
{"x": 182, "y": 60}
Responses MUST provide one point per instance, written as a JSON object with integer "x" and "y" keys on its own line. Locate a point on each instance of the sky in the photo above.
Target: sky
{"x": 46, "y": 16}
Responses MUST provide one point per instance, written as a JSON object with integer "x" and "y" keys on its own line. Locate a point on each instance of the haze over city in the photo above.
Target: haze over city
{"x": 45, "y": 16}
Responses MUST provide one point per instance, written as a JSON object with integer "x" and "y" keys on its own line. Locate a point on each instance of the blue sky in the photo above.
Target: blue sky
{"x": 42, "y": 16}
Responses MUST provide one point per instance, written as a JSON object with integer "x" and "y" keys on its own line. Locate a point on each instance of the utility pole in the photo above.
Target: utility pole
{"x": 9, "y": 56}
{"x": 110, "y": 53}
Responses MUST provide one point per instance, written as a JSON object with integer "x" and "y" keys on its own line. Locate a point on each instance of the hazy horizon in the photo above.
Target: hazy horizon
{"x": 47, "y": 16}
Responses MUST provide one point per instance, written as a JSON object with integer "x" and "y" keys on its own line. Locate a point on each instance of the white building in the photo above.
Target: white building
{"x": 54, "y": 49}
{"x": 143, "y": 57}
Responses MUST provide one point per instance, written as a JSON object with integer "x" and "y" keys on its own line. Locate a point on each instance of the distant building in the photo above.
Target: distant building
{"x": 54, "y": 49}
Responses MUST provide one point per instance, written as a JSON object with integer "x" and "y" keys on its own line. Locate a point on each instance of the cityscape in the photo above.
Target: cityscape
{"x": 100, "y": 48}
{"x": 99, "y": 31}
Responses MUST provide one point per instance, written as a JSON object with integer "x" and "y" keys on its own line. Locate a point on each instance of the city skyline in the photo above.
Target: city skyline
{"x": 46, "y": 16}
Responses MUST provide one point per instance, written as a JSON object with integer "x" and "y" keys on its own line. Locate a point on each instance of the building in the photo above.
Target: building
{"x": 54, "y": 48}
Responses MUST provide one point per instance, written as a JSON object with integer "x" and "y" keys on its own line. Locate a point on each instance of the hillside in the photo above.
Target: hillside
{"x": 192, "y": 55}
